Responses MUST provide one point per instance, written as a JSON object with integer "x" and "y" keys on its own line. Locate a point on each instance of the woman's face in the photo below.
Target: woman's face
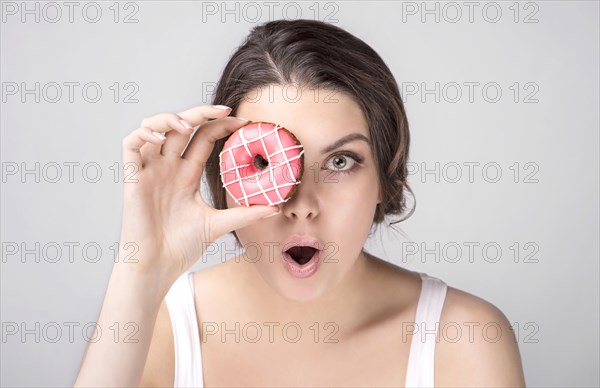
{"x": 336, "y": 199}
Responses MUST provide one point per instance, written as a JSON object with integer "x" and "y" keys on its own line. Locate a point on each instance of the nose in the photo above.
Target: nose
{"x": 304, "y": 203}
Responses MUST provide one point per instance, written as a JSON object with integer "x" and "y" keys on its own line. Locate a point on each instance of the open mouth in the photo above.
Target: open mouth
{"x": 301, "y": 254}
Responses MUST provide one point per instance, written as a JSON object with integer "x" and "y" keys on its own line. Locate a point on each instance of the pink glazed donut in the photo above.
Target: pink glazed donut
{"x": 261, "y": 164}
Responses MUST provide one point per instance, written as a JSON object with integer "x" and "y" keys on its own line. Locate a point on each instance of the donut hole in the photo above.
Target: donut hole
{"x": 260, "y": 162}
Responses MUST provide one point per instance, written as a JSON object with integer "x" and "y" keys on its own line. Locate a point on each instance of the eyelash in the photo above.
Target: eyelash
{"x": 357, "y": 161}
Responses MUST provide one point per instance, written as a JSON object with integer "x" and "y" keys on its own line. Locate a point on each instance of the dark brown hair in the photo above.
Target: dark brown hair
{"x": 317, "y": 55}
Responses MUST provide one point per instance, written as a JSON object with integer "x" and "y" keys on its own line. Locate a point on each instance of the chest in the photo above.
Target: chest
{"x": 303, "y": 354}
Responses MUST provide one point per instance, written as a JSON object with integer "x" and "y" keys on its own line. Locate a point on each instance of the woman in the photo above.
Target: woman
{"x": 357, "y": 320}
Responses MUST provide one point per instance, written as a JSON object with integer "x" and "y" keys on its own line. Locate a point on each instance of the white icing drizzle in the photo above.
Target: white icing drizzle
{"x": 262, "y": 191}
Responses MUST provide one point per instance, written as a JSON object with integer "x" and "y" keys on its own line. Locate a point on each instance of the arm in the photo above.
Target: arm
{"x": 130, "y": 298}
{"x": 166, "y": 219}
{"x": 160, "y": 363}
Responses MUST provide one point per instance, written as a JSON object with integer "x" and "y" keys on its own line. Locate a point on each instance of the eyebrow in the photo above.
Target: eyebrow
{"x": 346, "y": 139}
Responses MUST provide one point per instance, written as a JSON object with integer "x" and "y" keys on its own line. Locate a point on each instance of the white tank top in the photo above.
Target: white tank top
{"x": 186, "y": 337}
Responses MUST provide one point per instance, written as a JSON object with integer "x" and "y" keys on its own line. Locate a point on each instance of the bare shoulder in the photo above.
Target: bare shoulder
{"x": 477, "y": 345}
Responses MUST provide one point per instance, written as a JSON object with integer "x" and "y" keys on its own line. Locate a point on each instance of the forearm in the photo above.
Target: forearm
{"x": 131, "y": 298}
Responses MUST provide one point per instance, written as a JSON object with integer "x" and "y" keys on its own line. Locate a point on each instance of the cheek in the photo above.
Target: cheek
{"x": 350, "y": 205}
{"x": 228, "y": 200}
{"x": 358, "y": 190}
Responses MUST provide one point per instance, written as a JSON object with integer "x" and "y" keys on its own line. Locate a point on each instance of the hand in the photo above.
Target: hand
{"x": 164, "y": 214}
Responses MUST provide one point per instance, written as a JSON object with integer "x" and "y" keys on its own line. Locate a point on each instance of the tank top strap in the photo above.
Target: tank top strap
{"x": 182, "y": 311}
{"x": 420, "y": 371}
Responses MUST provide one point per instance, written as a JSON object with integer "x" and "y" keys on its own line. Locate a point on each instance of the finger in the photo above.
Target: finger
{"x": 198, "y": 115}
{"x": 203, "y": 142}
{"x": 166, "y": 123}
{"x": 176, "y": 142}
{"x": 239, "y": 217}
{"x": 133, "y": 143}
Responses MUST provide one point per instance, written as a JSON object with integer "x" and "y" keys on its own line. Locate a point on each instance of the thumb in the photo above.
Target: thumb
{"x": 241, "y": 216}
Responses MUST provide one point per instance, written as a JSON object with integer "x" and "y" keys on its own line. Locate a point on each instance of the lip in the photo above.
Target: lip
{"x": 306, "y": 240}
{"x": 293, "y": 268}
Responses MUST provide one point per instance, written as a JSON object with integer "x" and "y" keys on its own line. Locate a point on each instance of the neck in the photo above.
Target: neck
{"x": 346, "y": 299}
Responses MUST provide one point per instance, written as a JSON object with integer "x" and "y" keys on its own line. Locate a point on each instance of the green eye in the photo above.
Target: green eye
{"x": 339, "y": 163}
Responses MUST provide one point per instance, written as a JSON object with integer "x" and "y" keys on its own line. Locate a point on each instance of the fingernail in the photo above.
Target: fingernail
{"x": 224, "y": 107}
{"x": 271, "y": 215}
{"x": 159, "y": 135}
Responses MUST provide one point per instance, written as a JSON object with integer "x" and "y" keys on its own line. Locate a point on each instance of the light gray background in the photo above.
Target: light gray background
{"x": 170, "y": 53}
